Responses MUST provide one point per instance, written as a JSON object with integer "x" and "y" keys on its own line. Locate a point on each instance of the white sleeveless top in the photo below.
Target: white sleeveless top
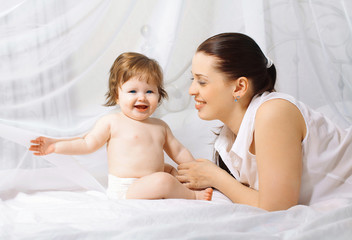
{"x": 326, "y": 153}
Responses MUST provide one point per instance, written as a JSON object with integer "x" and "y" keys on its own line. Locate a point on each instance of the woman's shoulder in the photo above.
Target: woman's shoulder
{"x": 268, "y": 96}
{"x": 276, "y": 106}
{"x": 277, "y": 112}
{"x": 274, "y": 103}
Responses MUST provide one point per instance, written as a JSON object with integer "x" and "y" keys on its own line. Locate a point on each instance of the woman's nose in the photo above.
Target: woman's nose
{"x": 192, "y": 89}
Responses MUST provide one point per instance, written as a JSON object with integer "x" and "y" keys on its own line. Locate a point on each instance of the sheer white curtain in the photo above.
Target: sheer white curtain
{"x": 311, "y": 42}
{"x": 55, "y": 57}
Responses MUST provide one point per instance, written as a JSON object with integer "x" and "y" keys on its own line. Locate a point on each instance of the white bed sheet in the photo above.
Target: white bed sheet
{"x": 90, "y": 215}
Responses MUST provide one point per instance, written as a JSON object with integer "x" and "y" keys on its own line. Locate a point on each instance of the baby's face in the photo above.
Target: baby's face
{"x": 138, "y": 99}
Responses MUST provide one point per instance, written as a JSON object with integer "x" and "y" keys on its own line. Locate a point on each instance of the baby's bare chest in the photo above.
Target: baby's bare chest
{"x": 139, "y": 133}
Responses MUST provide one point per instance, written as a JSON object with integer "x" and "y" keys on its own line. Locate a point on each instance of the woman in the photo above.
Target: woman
{"x": 280, "y": 152}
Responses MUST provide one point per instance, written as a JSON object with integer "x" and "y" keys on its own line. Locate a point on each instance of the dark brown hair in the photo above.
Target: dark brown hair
{"x": 240, "y": 56}
{"x": 131, "y": 64}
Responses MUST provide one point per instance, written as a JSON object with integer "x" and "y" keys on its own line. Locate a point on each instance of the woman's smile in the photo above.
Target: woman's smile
{"x": 199, "y": 104}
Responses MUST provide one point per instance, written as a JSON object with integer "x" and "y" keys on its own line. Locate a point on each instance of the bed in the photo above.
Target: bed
{"x": 90, "y": 215}
{"x": 65, "y": 199}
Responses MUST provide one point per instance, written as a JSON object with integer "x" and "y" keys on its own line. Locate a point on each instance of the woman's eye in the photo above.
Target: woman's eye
{"x": 201, "y": 82}
{"x": 132, "y": 91}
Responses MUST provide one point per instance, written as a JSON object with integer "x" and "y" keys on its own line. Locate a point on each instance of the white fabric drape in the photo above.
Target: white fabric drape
{"x": 55, "y": 57}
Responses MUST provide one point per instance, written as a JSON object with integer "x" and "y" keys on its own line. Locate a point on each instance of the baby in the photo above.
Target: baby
{"x": 135, "y": 141}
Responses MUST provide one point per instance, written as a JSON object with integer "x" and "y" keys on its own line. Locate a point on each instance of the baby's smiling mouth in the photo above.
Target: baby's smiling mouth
{"x": 141, "y": 107}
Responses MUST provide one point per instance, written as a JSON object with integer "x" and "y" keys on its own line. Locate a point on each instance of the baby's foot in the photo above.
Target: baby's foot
{"x": 205, "y": 194}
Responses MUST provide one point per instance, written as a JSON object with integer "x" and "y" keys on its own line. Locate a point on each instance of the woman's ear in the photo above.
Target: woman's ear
{"x": 240, "y": 88}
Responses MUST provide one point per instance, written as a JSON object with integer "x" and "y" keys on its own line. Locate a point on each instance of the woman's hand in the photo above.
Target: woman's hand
{"x": 197, "y": 174}
{"x": 43, "y": 146}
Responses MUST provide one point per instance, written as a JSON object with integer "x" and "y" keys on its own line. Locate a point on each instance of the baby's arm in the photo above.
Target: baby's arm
{"x": 170, "y": 169}
{"x": 175, "y": 150}
{"x": 44, "y": 145}
{"x": 91, "y": 142}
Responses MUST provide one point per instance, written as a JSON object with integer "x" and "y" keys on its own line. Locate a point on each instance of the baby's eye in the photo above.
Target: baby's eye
{"x": 149, "y": 91}
{"x": 132, "y": 91}
{"x": 192, "y": 78}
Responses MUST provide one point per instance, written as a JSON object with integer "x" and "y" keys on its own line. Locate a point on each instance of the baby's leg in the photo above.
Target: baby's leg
{"x": 162, "y": 185}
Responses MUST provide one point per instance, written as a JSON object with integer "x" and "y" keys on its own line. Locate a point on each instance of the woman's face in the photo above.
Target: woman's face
{"x": 212, "y": 93}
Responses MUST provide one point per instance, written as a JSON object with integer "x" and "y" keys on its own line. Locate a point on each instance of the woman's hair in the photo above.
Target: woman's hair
{"x": 240, "y": 56}
{"x": 129, "y": 65}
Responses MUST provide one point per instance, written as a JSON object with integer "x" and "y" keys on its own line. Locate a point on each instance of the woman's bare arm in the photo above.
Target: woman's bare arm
{"x": 279, "y": 132}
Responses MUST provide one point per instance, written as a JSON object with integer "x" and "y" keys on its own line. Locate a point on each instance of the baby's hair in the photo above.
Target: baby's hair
{"x": 131, "y": 64}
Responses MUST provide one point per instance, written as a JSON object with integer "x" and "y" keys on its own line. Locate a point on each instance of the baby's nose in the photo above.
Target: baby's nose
{"x": 141, "y": 96}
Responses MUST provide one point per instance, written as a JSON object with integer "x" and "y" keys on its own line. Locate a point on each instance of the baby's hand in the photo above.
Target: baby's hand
{"x": 42, "y": 146}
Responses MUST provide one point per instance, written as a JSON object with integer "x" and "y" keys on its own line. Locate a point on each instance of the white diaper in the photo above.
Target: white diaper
{"x": 117, "y": 187}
